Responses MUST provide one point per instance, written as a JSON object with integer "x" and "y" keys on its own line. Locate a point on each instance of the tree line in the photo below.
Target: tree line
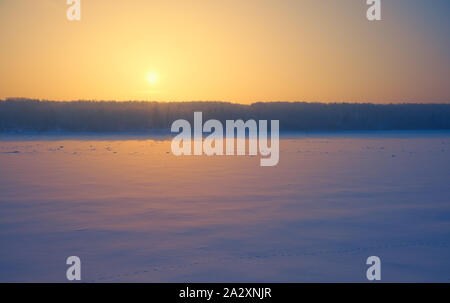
{"x": 18, "y": 115}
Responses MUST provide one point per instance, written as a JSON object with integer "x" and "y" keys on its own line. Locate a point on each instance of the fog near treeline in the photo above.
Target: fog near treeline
{"x": 19, "y": 115}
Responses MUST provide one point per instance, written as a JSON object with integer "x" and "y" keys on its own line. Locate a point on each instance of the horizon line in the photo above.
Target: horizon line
{"x": 222, "y": 101}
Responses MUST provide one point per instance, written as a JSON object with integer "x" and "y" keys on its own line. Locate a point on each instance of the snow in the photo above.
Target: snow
{"x": 133, "y": 212}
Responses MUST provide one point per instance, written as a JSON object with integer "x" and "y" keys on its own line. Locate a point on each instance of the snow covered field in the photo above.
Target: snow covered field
{"x": 134, "y": 212}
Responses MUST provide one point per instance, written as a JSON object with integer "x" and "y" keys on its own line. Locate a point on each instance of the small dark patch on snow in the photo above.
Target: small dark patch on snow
{"x": 12, "y": 152}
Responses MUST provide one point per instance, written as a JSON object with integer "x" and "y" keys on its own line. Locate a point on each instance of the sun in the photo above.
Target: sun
{"x": 152, "y": 77}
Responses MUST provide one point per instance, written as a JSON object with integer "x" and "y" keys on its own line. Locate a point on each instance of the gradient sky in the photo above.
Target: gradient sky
{"x": 234, "y": 50}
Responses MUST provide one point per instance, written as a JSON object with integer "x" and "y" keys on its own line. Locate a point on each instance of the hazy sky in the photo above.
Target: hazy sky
{"x": 233, "y": 50}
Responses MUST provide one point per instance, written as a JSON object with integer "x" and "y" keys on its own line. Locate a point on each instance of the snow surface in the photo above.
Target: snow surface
{"x": 133, "y": 212}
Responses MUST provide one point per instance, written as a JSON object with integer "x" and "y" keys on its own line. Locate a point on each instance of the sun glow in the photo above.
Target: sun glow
{"x": 152, "y": 77}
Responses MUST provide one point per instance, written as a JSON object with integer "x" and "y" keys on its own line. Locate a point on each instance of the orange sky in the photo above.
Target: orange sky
{"x": 234, "y": 50}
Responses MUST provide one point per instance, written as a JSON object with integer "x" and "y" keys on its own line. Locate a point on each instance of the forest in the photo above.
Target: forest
{"x": 21, "y": 115}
